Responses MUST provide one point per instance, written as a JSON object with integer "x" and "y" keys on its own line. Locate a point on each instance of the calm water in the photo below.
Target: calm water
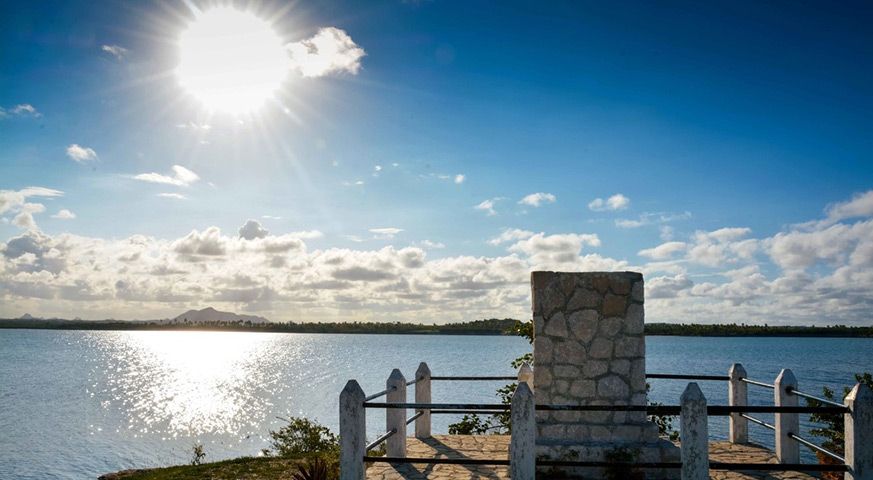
{"x": 74, "y": 405}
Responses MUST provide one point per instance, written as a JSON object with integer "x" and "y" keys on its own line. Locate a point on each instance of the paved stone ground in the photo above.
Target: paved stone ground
{"x": 497, "y": 446}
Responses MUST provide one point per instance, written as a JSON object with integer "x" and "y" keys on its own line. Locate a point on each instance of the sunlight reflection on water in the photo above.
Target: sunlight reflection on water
{"x": 187, "y": 384}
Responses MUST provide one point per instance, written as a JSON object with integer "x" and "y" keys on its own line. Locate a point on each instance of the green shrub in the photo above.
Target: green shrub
{"x": 301, "y": 436}
{"x": 833, "y": 432}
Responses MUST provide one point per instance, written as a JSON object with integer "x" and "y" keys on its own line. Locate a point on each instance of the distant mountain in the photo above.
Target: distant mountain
{"x": 27, "y": 316}
{"x": 211, "y": 315}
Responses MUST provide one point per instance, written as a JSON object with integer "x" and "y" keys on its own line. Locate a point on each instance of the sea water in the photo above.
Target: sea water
{"x": 77, "y": 404}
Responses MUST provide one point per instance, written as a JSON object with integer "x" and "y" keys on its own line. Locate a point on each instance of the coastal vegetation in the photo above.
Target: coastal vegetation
{"x": 491, "y": 326}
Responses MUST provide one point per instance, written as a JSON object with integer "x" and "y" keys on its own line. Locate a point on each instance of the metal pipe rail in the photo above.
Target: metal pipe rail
{"x": 759, "y": 422}
{"x": 412, "y": 418}
{"x": 468, "y": 412}
{"x": 474, "y": 378}
{"x": 381, "y": 439}
{"x": 379, "y": 394}
{"x": 817, "y": 448}
{"x": 793, "y": 391}
{"x": 714, "y": 410}
{"x": 688, "y": 377}
{"x": 777, "y": 467}
{"x": 760, "y": 384}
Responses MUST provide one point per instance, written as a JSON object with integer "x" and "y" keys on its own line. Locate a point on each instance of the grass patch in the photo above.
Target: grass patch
{"x": 245, "y": 468}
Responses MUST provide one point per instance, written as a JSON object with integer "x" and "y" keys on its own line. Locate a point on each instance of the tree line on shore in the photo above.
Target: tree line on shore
{"x": 492, "y": 326}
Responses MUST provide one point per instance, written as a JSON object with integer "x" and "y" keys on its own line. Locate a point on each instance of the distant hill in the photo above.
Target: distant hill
{"x": 211, "y": 315}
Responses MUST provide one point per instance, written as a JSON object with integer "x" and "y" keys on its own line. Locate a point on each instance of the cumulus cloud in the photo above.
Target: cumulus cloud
{"x": 509, "y": 235}
{"x": 860, "y": 206}
{"x": 460, "y": 178}
{"x": 664, "y": 250}
{"x": 81, "y": 155}
{"x": 12, "y": 201}
{"x": 252, "y": 229}
{"x": 116, "y": 51}
{"x": 537, "y": 199}
{"x": 614, "y": 203}
{"x": 64, "y": 214}
{"x": 181, "y": 177}
{"x": 488, "y": 205}
{"x": 330, "y": 51}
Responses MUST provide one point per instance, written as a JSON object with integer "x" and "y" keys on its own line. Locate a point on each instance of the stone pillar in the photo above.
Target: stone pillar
{"x": 693, "y": 424}
{"x": 589, "y": 349}
{"x": 422, "y": 395}
{"x": 395, "y": 418}
{"x": 738, "y": 396}
{"x": 522, "y": 451}
{"x": 353, "y": 432}
{"x": 787, "y": 450}
{"x": 859, "y": 433}
{"x": 526, "y": 375}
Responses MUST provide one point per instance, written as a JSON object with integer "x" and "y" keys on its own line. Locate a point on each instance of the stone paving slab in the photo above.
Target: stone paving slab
{"x": 497, "y": 446}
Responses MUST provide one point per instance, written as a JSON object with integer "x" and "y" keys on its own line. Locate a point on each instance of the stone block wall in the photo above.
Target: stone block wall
{"x": 589, "y": 349}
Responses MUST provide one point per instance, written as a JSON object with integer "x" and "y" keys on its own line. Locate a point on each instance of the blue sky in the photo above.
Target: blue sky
{"x": 419, "y": 159}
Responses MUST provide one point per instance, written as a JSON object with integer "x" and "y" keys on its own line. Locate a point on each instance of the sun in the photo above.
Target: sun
{"x": 231, "y": 60}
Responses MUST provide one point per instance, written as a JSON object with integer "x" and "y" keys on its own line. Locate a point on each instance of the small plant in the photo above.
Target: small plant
{"x": 315, "y": 469}
{"x": 834, "y": 431}
{"x": 299, "y": 437}
{"x": 664, "y": 422}
{"x": 199, "y": 454}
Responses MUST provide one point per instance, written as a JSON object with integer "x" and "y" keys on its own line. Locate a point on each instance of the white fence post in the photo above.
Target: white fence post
{"x": 395, "y": 418}
{"x": 859, "y": 433}
{"x": 693, "y": 424}
{"x": 738, "y": 396}
{"x": 522, "y": 442}
{"x": 526, "y": 375}
{"x": 353, "y": 432}
{"x": 422, "y": 395}
{"x": 787, "y": 450}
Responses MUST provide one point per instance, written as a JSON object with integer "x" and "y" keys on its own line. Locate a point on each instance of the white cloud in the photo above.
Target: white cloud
{"x": 25, "y": 218}
{"x": 663, "y": 251}
{"x": 16, "y": 202}
{"x": 20, "y": 110}
{"x": 651, "y": 219}
{"x": 252, "y": 229}
{"x": 860, "y": 206}
{"x": 385, "y": 232}
{"x": 309, "y": 234}
{"x": 271, "y": 217}
{"x": 509, "y": 235}
{"x": 182, "y": 177}
{"x": 64, "y": 214}
{"x": 434, "y": 245}
{"x": 614, "y": 203}
{"x": 330, "y": 51}
{"x": 80, "y": 154}
{"x": 177, "y": 196}
{"x": 488, "y": 205}
{"x": 537, "y": 199}
{"x": 378, "y": 168}
{"x": 460, "y": 178}
{"x": 116, "y": 51}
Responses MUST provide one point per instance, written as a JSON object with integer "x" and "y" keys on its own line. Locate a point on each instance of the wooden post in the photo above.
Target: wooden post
{"x": 859, "y": 433}
{"x": 422, "y": 395}
{"x": 695, "y": 434}
{"x": 353, "y": 432}
{"x": 787, "y": 450}
{"x": 395, "y": 418}
{"x": 738, "y": 396}
{"x": 526, "y": 375}
{"x": 522, "y": 443}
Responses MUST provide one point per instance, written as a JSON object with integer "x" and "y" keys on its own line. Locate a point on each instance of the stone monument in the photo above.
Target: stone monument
{"x": 589, "y": 349}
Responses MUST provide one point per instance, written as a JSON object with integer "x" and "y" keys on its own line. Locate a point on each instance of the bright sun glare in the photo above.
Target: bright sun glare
{"x": 231, "y": 60}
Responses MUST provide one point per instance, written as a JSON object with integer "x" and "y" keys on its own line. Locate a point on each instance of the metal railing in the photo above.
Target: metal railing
{"x": 694, "y": 443}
